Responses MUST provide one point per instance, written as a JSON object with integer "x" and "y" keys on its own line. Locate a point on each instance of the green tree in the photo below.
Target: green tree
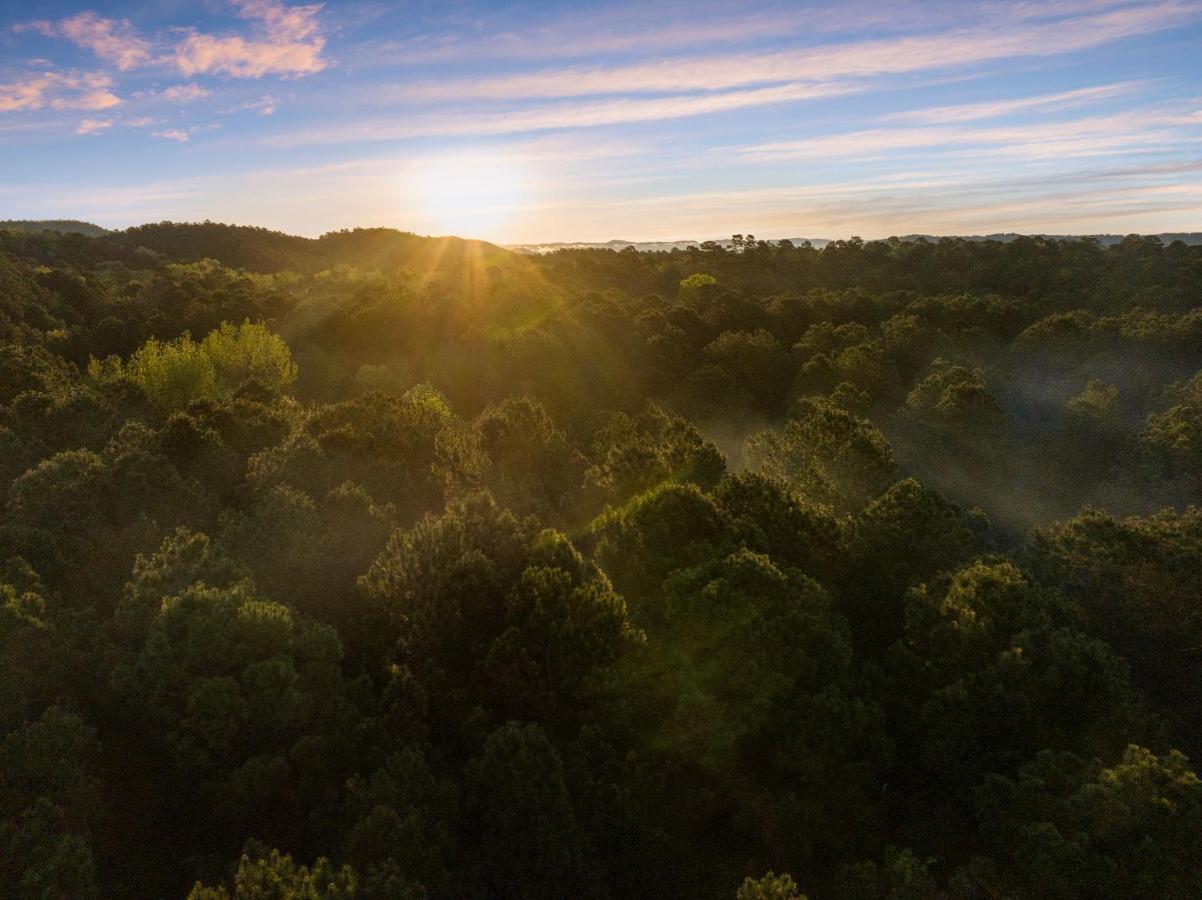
{"x": 769, "y": 887}
{"x": 492, "y": 614}
{"x": 275, "y": 876}
{"x": 829, "y": 457}
{"x": 1064, "y": 827}
{"x": 175, "y": 373}
{"x": 245, "y": 697}
{"x": 1134, "y": 580}
{"x": 691, "y": 286}
{"x": 519, "y": 807}
{"x": 50, "y": 805}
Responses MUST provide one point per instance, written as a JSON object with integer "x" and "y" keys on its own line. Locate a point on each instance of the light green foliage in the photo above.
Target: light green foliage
{"x": 275, "y": 876}
{"x": 173, "y": 374}
{"x": 691, "y": 286}
{"x": 249, "y": 352}
{"x": 769, "y": 887}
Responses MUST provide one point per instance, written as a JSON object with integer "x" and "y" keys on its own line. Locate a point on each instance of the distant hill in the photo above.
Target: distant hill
{"x": 262, "y": 250}
{"x": 64, "y": 226}
{"x": 1192, "y": 238}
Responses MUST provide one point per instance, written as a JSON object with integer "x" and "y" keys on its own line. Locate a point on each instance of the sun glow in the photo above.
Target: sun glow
{"x": 468, "y": 195}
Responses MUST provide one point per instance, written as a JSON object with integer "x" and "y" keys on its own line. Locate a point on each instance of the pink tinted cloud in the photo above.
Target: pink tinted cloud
{"x": 58, "y": 90}
{"x": 288, "y": 41}
{"x": 113, "y": 40}
{"x": 184, "y": 93}
{"x": 93, "y": 126}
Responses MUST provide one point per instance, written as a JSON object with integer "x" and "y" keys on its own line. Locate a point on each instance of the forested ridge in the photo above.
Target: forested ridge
{"x": 382, "y": 566}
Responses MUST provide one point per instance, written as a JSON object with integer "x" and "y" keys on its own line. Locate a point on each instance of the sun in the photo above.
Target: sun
{"x": 467, "y": 194}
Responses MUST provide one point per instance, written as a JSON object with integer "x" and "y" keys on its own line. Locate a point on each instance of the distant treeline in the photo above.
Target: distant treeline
{"x": 1106, "y": 240}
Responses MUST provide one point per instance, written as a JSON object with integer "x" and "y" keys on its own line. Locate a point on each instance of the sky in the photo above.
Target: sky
{"x": 581, "y": 121}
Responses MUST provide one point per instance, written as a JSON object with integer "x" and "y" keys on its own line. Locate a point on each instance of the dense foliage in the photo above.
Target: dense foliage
{"x": 377, "y": 566}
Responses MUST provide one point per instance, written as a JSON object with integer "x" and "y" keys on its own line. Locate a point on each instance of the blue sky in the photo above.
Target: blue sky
{"x": 590, "y": 121}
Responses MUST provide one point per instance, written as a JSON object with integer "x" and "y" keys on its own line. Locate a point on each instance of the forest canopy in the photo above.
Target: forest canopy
{"x": 389, "y": 567}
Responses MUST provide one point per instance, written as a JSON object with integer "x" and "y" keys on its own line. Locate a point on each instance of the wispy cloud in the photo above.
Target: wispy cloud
{"x": 173, "y": 134}
{"x": 970, "y": 112}
{"x": 264, "y": 106}
{"x": 624, "y": 28}
{"x": 557, "y": 116}
{"x": 184, "y": 93}
{"x": 1089, "y": 136}
{"x": 288, "y": 41}
{"x": 93, "y": 126}
{"x": 58, "y": 90}
{"x": 889, "y": 56}
{"x": 668, "y": 26}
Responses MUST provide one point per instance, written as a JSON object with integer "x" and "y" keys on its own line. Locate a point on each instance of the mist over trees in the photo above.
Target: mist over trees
{"x": 381, "y": 566}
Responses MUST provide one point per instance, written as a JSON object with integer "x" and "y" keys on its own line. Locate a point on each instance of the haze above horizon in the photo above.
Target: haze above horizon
{"x": 528, "y": 123}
